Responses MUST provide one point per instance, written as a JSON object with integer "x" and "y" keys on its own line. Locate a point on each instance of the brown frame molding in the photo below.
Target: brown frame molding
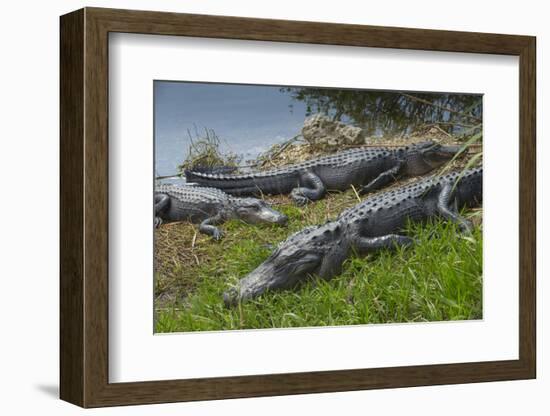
{"x": 84, "y": 207}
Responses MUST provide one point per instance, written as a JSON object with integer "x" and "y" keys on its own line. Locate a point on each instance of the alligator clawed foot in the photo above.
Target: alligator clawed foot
{"x": 407, "y": 241}
{"x": 298, "y": 197}
{"x": 158, "y": 222}
{"x": 217, "y": 234}
{"x": 231, "y": 297}
{"x": 300, "y": 200}
{"x": 466, "y": 227}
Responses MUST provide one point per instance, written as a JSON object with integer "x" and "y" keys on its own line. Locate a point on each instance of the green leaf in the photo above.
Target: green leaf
{"x": 470, "y": 163}
{"x": 464, "y": 147}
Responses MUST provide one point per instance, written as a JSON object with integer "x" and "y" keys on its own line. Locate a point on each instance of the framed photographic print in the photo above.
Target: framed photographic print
{"x": 255, "y": 207}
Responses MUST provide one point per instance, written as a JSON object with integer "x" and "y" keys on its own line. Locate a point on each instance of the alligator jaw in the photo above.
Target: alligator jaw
{"x": 442, "y": 154}
{"x": 271, "y": 216}
{"x": 449, "y": 150}
{"x": 433, "y": 158}
{"x": 255, "y": 211}
{"x": 254, "y": 284}
{"x": 284, "y": 269}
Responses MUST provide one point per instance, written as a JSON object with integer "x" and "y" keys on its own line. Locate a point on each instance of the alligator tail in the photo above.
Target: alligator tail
{"x": 220, "y": 181}
{"x": 223, "y": 169}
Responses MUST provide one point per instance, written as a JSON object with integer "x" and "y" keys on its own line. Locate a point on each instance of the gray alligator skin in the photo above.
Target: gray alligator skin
{"x": 209, "y": 207}
{"x": 367, "y": 169}
{"x": 370, "y": 225}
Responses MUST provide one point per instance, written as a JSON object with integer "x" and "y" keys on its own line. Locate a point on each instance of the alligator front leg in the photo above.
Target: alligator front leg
{"x": 313, "y": 191}
{"x": 443, "y": 208}
{"x": 382, "y": 180}
{"x": 364, "y": 245}
{"x": 208, "y": 227}
{"x": 161, "y": 203}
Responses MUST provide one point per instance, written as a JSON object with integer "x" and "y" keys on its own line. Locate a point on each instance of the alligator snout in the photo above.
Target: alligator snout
{"x": 258, "y": 211}
{"x": 254, "y": 284}
{"x": 441, "y": 154}
{"x": 279, "y": 218}
{"x": 269, "y": 215}
{"x": 449, "y": 149}
{"x": 429, "y": 156}
{"x": 231, "y": 297}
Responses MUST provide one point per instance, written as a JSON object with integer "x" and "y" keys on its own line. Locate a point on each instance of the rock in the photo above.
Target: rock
{"x": 323, "y": 132}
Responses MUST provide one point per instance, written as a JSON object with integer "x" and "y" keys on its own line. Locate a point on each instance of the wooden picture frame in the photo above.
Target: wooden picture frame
{"x": 84, "y": 207}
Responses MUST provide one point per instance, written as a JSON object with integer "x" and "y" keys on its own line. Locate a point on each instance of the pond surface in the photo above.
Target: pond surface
{"x": 247, "y": 118}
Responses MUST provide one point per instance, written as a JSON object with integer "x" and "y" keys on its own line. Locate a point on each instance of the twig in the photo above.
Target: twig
{"x": 474, "y": 148}
{"x": 355, "y": 192}
{"x": 450, "y": 123}
{"x": 421, "y": 100}
{"x": 442, "y": 131}
{"x": 273, "y": 155}
{"x": 171, "y": 224}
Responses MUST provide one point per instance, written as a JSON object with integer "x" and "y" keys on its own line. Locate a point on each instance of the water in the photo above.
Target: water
{"x": 247, "y": 119}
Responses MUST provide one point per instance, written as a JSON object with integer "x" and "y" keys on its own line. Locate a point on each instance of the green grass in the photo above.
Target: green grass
{"x": 439, "y": 278}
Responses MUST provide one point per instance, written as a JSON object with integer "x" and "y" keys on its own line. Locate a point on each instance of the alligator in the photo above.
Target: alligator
{"x": 370, "y": 225}
{"x": 367, "y": 169}
{"x": 209, "y": 207}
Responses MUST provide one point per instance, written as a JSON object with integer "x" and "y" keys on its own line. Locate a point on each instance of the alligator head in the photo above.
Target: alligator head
{"x": 318, "y": 250}
{"x": 423, "y": 157}
{"x": 254, "y": 211}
